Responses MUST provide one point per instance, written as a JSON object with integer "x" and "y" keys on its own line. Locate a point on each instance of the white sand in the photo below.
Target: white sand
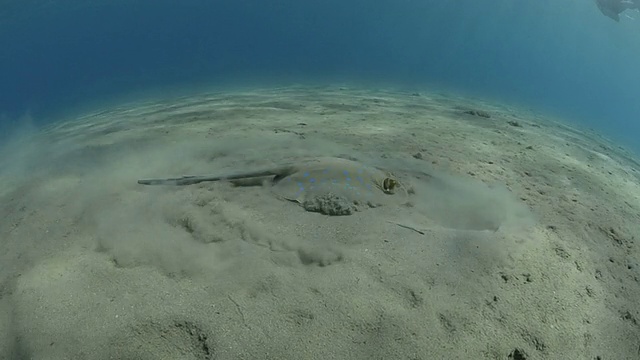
{"x": 95, "y": 266}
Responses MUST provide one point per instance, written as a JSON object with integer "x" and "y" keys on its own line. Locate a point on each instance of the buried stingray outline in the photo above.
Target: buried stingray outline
{"x": 338, "y": 186}
{"x": 337, "y": 179}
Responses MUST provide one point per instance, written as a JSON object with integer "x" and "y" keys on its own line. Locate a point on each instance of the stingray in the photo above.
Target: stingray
{"x": 330, "y": 185}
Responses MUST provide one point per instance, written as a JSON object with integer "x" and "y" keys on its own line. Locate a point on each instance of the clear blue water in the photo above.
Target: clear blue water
{"x": 557, "y": 56}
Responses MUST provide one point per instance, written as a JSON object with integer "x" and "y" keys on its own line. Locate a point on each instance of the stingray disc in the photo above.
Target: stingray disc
{"x": 351, "y": 180}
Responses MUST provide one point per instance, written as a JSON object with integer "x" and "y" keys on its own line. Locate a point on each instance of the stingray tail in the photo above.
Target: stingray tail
{"x": 196, "y": 179}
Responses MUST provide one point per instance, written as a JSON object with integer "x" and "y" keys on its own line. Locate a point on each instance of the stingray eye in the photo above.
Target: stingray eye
{"x": 388, "y": 185}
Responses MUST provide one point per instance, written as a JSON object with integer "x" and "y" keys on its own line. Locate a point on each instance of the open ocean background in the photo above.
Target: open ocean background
{"x": 560, "y": 57}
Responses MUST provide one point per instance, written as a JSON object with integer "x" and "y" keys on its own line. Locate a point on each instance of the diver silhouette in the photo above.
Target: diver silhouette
{"x": 613, "y": 8}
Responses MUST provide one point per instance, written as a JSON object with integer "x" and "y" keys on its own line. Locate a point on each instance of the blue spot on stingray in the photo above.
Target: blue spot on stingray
{"x": 305, "y": 174}
{"x": 360, "y": 179}
{"x": 348, "y": 179}
{"x": 312, "y": 180}
{"x": 325, "y": 171}
{"x": 346, "y": 173}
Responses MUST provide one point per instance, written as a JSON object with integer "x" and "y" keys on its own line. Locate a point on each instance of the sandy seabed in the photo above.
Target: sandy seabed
{"x": 519, "y": 239}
